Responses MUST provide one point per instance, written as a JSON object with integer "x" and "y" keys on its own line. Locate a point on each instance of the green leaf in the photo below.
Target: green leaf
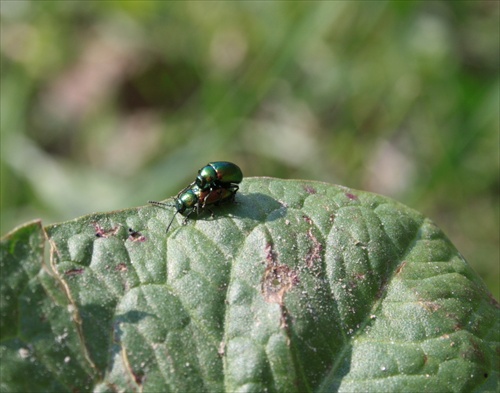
{"x": 298, "y": 286}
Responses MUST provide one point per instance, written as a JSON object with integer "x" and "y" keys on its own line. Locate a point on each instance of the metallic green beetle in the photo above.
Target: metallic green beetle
{"x": 219, "y": 174}
{"x": 194, "y": 199}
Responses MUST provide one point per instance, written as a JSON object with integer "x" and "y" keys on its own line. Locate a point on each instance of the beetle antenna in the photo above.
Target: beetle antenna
{"x": 171, "y": 221}
{"x": 161, "y": 204}
{"x": 186, "y": 188}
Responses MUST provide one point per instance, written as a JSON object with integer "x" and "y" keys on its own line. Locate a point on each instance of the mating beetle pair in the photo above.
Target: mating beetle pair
{"x": 218, "y": 174}
{"x": 216, "y": 183}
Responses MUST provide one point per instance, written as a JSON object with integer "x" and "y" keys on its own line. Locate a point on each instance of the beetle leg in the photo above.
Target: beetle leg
{"x": 205, "y": 199}
{"x": 185, "y": 221}
{"x": 233, "y": 188}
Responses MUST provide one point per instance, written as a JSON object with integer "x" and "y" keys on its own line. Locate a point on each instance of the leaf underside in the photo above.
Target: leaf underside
{"x": 298, "y": 286}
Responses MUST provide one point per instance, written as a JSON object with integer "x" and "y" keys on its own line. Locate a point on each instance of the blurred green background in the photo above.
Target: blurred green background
{"x": 107, "y": 104}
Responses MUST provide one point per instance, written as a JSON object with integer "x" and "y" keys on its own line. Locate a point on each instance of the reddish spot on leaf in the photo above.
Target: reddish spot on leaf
{"x": 278, "y": 279}
{"x": 138, "y": 377}
{"x": 136, "y": 236}
{"x": 269, "y": 252}
{"x": 314, "y": 254}
{"x": 101, "y": 232}
{"x": 310, "y": 190}
{"x": 121, "y": 267}
{"x": 474, "y": 352}
{"x": 74, "y": 272}
{"x": 430, "y": 306}
{"x": 351, "y": 196}
{"x": 400, "y": 268}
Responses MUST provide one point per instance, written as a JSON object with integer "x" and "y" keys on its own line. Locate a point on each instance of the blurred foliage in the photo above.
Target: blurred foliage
{"x": 105, "y": 105}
